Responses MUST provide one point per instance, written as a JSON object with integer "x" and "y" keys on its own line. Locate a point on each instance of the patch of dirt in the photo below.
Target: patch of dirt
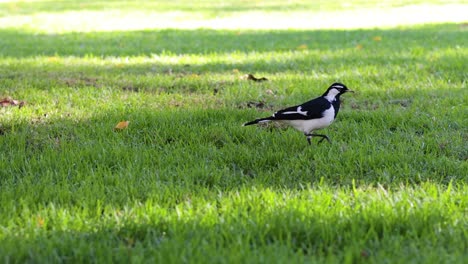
{"x": 81, "y": 81}
{"x": 366, "y": 105}
{"x": 402, "y": 102}
{"x": 255, "y": 104}
{"x": 131, "y": 88}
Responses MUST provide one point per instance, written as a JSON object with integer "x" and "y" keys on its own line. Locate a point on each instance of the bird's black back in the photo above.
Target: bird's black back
{"x": 314, "y": 109}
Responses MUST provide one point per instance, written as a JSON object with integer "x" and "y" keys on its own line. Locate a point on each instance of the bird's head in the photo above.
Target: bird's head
{"x": 335, "y": 90}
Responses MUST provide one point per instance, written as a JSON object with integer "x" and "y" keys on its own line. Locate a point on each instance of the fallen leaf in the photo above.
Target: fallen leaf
{"x": 40, "y": 221}
{"x": 302, "y": 47}
{"x": 122, "y": 125}
{"x": 11, "y": 102}
{"x": 377, "y": 38}
{"x": 4, "y": 103}
{"x": 251, "y": 77}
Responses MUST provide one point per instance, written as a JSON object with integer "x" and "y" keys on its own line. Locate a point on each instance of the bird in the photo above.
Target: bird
{"x": 312, "y": 115}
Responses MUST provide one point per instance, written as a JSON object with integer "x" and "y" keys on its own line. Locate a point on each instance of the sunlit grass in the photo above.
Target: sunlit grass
{"x": 97, "y": 16}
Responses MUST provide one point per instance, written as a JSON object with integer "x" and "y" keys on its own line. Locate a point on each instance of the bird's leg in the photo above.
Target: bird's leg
{"x": 309, "y": 137}
{"x": 323, "y": 138}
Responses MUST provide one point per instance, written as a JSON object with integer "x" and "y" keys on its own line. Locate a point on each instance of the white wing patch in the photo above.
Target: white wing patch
{"x": 298, "y": 111}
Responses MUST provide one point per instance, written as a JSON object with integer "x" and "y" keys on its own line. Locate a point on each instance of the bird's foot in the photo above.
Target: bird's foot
{"x": 309, "y": 138}
{"x": 323, "y": 138}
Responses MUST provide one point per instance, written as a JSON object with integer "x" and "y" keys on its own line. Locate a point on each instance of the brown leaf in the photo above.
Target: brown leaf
{"x": 11, "y": 102}
{"x": 122, "y": 125}
{"x": 251, "y": 77}
{"x": 4, "y": 103}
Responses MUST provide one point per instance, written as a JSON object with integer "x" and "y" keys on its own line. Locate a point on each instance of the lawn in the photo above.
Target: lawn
{"x": 185, "y": 182}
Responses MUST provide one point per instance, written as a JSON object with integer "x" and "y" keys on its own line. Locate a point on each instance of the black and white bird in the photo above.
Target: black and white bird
{"x": 313, "y": 115}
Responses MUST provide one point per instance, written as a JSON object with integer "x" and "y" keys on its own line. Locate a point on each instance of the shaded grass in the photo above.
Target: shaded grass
{"x": 404, "y": 41}
{"x": 243, "y": 223}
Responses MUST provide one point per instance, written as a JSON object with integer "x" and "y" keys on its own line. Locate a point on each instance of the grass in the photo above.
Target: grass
{"x": 185, "y": 182}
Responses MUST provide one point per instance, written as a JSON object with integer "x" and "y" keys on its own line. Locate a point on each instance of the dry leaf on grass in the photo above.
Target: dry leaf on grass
{"x": 251, "y": 77}
{"x": 11, "y": 102}
{"x": 122, "y": 125}
{"x": 302, "y": 47}
{"x": 40, "y": 221}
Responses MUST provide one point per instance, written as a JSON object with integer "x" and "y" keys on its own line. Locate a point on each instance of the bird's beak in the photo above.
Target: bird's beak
{"x": 350, "y": 91}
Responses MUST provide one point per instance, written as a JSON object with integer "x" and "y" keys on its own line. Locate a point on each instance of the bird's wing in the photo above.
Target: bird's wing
{"x": 309, "y": 110}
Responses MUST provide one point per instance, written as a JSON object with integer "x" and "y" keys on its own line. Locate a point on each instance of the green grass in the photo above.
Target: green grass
{"x": 185, "y": 182}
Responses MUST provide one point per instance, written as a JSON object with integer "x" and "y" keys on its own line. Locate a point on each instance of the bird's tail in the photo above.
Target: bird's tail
{"x": 260, "y": 120}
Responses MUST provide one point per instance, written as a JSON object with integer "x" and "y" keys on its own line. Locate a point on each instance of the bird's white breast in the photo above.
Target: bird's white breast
{"x": 307, "y": 126}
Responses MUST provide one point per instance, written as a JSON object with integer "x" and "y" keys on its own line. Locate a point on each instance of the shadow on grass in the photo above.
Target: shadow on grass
{"x": 403, "y": 53}
{"x": 363, "y": 235}
{"x": 20, "y": 44}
